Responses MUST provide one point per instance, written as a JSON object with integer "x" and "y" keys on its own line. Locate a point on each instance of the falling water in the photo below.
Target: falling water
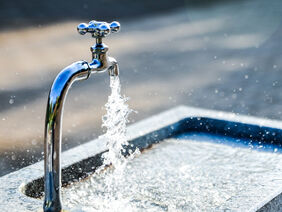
{"x": 106, "y": 194}
{"x": 115, "y": 123}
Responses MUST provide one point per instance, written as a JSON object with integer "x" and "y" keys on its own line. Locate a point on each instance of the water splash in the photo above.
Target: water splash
{"x": 104, "y": 191}
{"x": 115, "y": 122}
{"x": 180, "y": 175}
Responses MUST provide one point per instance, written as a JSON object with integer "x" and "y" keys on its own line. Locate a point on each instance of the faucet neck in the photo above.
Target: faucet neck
{"x": 98, "y": 50}
{"x": 99, "y": 40}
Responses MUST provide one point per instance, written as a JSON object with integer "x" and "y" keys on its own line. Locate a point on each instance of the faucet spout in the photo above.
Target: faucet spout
{"x": 114, "y": 68}
{"x": 52, "y": 138}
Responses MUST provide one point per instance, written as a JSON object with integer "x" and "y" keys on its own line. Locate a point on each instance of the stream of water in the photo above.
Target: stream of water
{"x": 114, "y": 122}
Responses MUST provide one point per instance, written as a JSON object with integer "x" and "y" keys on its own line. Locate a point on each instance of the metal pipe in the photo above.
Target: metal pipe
{"x": 53, "y": 135}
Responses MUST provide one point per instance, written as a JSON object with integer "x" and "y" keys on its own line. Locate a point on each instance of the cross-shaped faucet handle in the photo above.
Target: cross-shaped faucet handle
{"x": 98, "y": 29}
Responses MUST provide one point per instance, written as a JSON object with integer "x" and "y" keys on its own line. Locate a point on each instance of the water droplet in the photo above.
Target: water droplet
{"x": 11, "y": 101}
{"x": 246, "y": 76}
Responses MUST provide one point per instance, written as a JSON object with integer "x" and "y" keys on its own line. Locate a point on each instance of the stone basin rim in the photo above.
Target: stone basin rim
{"x": 12, "y": 186}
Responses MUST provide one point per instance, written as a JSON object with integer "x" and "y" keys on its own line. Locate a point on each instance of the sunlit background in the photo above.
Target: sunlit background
{"x": 223, "y": 55}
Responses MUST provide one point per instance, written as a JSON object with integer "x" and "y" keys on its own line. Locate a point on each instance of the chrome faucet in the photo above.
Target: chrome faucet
{"x": 80, "y": 70}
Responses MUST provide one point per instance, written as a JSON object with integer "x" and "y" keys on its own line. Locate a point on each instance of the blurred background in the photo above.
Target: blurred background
{"x": 215, "y": 54}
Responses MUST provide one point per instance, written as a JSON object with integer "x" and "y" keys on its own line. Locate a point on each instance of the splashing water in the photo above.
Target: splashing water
{"x": 115, "y": 122}
{"x": 186, "y": 174}
{"x": 107, "y": 194}
{"x": 179, "y": 174}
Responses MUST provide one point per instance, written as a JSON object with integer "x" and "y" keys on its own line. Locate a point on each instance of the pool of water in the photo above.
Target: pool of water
{"x": 190, "y": 172}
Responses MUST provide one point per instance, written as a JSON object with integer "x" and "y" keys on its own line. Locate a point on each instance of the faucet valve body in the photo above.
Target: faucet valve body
{"x": 99, "y": 30}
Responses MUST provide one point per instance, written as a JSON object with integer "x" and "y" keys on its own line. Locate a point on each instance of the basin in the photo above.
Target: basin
{"x": 230, "y": 161}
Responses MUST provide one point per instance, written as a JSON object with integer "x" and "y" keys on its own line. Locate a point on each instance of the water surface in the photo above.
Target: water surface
{"x": 183, "y": 174}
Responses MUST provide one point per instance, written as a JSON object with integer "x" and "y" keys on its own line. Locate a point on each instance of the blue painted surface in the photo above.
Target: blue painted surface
{"x": 230, "y": 141}
{"x": 216, "y": 130}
